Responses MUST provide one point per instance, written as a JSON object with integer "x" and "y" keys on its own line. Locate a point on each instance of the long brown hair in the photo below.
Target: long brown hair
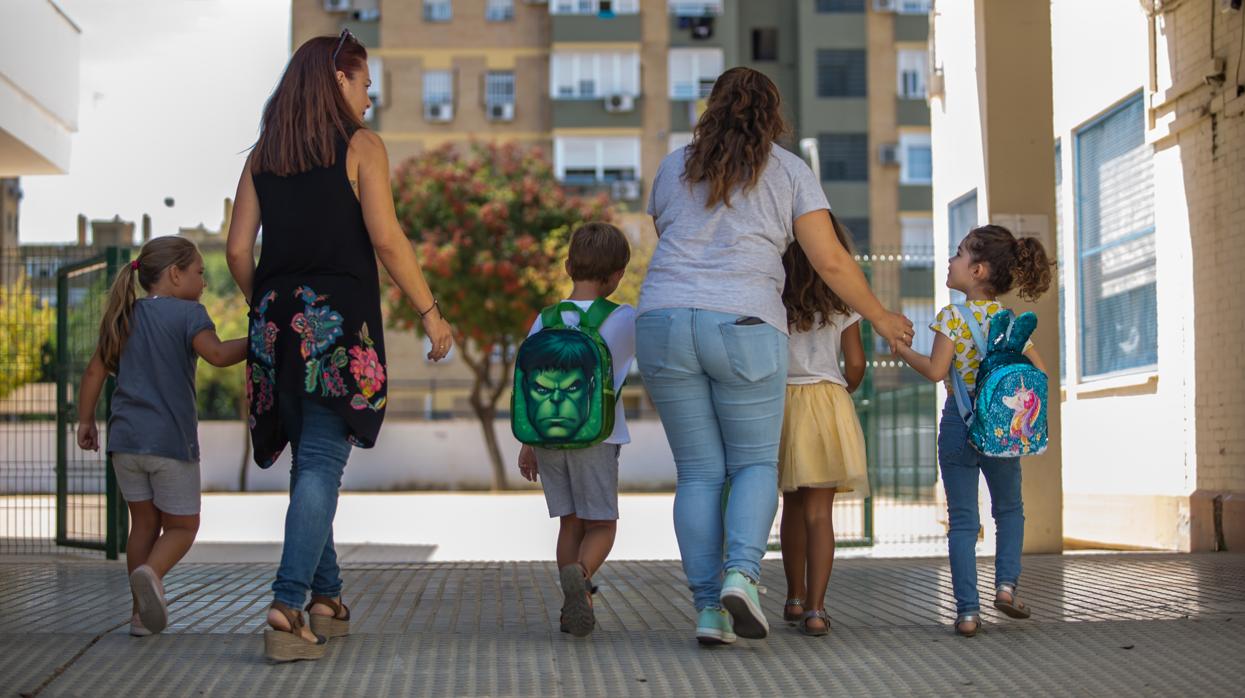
{"x": 307, "y": 112}
{"x": 805, "y": 293}
{"x": 156, "y": 256}
{"x": 1019, "y": 263}
{"x": 732, "y": 140}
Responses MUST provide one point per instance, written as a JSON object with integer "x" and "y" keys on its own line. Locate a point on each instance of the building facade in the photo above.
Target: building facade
{"x": 1141, "y": 204}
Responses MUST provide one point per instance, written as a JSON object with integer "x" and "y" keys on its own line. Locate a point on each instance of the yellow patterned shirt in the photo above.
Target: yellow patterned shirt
{"x": 951, "y": 325}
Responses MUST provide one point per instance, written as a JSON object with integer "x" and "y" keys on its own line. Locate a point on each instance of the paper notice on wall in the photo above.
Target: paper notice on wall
{"x": 1027, "y": 225}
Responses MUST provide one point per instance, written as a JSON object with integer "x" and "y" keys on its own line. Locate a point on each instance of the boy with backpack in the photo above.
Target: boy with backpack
{"x": 565, "y": 409}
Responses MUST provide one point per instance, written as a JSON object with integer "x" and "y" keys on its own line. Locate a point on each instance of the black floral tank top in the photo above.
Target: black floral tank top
{"x": 315, "y": 321}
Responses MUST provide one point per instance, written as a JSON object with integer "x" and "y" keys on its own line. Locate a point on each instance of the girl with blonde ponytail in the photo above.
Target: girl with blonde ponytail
{"x": 151, "y": 344}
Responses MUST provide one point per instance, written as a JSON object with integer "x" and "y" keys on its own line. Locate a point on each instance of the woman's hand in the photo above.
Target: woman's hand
{"x": 440, "y": 334}
{"x": 895, "y": 329}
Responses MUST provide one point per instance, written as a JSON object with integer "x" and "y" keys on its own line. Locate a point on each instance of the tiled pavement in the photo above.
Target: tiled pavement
{"x": 1136, "y": 624}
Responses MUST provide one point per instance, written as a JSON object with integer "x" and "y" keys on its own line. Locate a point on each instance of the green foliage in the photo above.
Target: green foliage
{"x": 26, "y": 325}
{"x": 222, "y": 391}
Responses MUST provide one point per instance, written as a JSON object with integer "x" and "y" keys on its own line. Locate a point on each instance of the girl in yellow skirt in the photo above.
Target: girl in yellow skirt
{"x": 823, "y": 448}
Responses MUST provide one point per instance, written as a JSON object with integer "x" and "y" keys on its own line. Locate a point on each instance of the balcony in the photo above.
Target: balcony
{"x": 38, "y": 96}
{"x": 596, "y": 28}
{"x": 366, "y": 32}
{"x": 911, "y": 112}
{"x": 625, "y": 188}
{"x": 911, "y": 28}
{"x": 603, "y": 112}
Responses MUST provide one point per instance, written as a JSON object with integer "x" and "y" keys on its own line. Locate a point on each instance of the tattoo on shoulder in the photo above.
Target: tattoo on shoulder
{"x": 354, "y": 184}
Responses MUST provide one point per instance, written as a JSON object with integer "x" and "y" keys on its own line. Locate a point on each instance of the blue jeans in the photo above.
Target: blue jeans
{"x": 320, "y": 449}
{"x": 959, "y": 464}
{"x": 719, "y": 388}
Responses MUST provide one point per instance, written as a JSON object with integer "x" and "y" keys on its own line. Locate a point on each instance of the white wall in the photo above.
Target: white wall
{"x": 1133, "y": 434}
{"x": 38, "y": 87}
{"x": 445, "y": 455}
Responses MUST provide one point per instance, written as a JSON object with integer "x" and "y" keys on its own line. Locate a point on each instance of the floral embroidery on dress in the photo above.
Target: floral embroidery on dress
{"x": 260, "y": 380}
{"x": 317, "y": 328}
{"x": 368, "y": 372}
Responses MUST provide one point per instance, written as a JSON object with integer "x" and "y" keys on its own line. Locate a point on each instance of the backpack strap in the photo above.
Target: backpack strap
{"x": 964, "y": 400}
{"x": 597, "y": 313}
{"x": 551, "y": 317}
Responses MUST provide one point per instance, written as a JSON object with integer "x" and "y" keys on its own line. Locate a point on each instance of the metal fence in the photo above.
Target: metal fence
{"x": 52, "y": 494}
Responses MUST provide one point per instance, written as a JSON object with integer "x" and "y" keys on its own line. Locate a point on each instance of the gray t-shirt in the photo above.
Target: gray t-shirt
{"x": 153, "y": 409}
{"x": 727, "y": 259}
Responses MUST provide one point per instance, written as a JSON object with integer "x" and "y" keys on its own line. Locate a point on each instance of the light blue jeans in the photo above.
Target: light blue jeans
{"x": 959, "y": 464}
{"x": 320, "y": 449}
{"x": 719, "y": 388}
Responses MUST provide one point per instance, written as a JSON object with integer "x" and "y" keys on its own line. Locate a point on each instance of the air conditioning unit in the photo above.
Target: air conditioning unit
{"x": 888, "y": 154}
{"x": 885, "y": 5}
{"x": 338, "y": 5}
{"x": 619, "y": 103}
{"x": 501, "y": 111}
{"x": 439, "y": 112}
{"x": 625, "y": 190}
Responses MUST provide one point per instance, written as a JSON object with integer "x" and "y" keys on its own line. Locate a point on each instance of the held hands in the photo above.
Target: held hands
{"x": 896, "y": 330}
{"x": 527, "y": 464}
{"x": 88, "y": 436}
{"x": 440, "y": 334}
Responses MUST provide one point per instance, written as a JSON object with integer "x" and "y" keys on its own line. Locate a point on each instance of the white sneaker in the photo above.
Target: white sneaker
{"x": 137, "y": 629}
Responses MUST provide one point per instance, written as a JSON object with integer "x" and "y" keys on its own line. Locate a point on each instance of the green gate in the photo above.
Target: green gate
{"x": 90, "y": 512}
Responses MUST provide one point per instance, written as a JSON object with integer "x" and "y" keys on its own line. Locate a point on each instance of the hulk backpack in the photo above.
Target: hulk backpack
{"x": 1007, "y": 416}
{"x": 564, "y": 393}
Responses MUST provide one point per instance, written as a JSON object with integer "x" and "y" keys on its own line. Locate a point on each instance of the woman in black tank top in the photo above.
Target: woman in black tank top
{"x": 318, "y": 182}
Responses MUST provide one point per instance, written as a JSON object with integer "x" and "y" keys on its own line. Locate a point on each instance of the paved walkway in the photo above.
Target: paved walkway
{"x": 1134, "y": 624}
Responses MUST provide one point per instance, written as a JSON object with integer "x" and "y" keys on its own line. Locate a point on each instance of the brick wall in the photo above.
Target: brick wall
{"x": 1210, "y": 134}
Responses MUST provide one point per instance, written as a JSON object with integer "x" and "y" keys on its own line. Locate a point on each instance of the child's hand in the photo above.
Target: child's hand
{"x": 527, "y": 464}
{"x": 88, "y": 436}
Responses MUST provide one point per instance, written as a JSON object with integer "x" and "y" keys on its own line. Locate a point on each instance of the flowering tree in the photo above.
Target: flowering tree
{"x": 490, "y": 224}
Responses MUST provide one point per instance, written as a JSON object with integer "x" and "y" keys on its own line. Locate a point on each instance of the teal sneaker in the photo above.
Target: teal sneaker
{"x": 740, "y": 599}
{"x": 713, "y": 627}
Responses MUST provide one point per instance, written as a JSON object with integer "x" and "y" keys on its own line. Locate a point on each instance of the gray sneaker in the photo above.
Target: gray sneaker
{"x": 740, "y": 599}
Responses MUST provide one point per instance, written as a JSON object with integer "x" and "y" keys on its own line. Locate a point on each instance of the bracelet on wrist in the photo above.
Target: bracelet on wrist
{"x": 424, "y": 313}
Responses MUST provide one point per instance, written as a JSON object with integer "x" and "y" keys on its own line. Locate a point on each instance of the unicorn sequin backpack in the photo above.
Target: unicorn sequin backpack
{"x": 1007, "y": 416}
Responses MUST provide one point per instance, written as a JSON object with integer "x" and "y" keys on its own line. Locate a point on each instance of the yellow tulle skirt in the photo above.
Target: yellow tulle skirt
{"x": 822, "y": 443}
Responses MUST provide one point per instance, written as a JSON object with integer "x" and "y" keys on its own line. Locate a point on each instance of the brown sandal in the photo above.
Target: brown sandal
{"x": 793, "y": 616}
{"x": 336, "y": 625}
{"x": 289, "y": 645}
{"x": 1011, "y": 605}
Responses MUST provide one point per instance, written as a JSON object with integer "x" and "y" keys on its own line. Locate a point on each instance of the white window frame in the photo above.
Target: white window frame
{"x": 438, "y": 10}
{"x": 913, "y": 7}
{"x": 916, "y": 235}
{"x": 599, "y": 164}
{"x": 908, "y": 141}
{"x": 493, "y": 80}
{"x": 593, "y": 7}
{"x": 607, "y": 74}
{"x": 438, "y": 79}
{"x": 692, "y": 71}
{"x": 911, "y": 67}
{"x": 694, "y": 8}
{"x": 499, "y": 11}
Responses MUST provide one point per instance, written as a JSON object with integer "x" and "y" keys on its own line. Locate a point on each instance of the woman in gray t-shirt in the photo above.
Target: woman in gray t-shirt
{"x": 711, "y": 335}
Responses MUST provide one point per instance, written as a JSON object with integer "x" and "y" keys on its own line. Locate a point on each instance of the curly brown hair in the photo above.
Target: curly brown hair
{"x": 732, "y": 140}
{"x": 805, "y": 293}
{"x": 1019, "y": 263}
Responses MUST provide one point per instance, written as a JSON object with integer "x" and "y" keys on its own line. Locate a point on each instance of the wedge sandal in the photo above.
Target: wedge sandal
{"x": 336, "y": 625}
{"x": 1011, "y": 606}
{"x": 289, "y": 645}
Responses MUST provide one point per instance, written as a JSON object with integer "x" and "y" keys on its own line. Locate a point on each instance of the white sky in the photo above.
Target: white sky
{"x": 171, "y": 94}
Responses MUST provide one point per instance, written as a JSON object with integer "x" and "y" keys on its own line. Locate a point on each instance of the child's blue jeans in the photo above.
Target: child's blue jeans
{"x": 318, "y": 439}
{"x": 959, "y": 464}
{"x": 719, "y": 388}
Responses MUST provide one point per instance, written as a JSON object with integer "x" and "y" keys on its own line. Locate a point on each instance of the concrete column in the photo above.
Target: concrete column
{"x": 1014, "y": 96}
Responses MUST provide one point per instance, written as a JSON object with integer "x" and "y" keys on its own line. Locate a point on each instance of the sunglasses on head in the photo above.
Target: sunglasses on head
{"x": 342, "y": 42}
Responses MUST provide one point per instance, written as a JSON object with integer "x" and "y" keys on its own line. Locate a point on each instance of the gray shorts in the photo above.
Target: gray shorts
{"x": 583, "y": 482}
{"x": 171, "y": 484}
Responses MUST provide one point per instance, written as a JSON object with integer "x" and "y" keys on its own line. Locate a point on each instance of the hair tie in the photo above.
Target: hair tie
{"x": 134, "y": 265}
